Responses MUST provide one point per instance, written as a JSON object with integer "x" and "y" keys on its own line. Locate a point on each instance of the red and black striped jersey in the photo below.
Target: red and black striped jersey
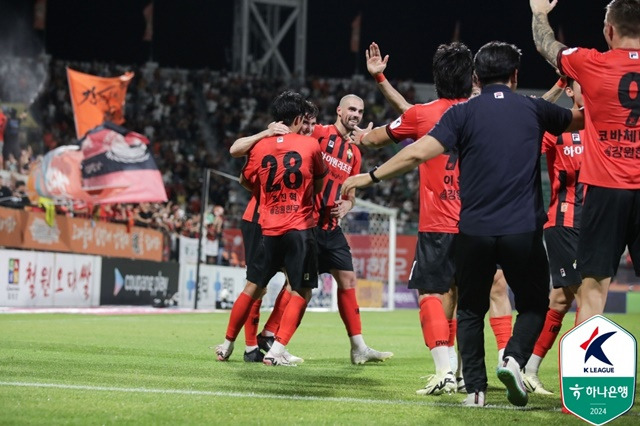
{"x": 343, "y": 160}
{"x": 564, "y": 160}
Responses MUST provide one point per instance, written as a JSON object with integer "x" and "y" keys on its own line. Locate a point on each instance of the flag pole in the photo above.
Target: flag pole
{"x": 203, "y": 207}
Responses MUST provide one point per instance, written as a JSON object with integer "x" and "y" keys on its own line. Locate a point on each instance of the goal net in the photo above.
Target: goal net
{"x": 370, "y": 230}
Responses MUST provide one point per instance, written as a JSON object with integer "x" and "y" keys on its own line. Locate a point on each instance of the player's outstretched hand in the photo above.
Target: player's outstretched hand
{"x": 542, "y": 6}
{"x": 358, "y": 181}
{"x": 375, "y": 63}
{"x": 356, "y": 136}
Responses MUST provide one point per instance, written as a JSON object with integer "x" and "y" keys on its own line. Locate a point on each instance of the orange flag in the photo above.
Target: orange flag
{"x": 96, "y": 99}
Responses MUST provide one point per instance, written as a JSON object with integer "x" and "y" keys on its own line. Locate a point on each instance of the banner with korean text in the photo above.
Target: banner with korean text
{"x": 29, "y": 230}
{"x": 45, "y": 279}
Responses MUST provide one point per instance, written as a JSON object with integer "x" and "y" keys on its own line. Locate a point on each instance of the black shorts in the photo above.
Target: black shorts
{"x": 333, "y": 251}
{"x": 562, "y": 248}
{"x": 296, "y": 250}
{"x": 610, "y": 221}
{"x": 433, "y": 266}
{"x": 252, "y": 239}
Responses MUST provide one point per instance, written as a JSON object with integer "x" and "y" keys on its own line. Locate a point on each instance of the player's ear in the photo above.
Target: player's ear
{"x": 568, "y": 91}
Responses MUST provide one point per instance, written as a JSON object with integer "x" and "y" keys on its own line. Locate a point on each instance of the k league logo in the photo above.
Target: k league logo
{"x": 593, "y": 348}
{"x": 598, "y": 370}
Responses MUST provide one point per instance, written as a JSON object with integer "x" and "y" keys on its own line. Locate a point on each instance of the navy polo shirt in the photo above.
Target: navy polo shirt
{"x": 498, "y": 137}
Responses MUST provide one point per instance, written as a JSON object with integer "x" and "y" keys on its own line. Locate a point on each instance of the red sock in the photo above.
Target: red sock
{"x": 291, "y": 319}
{"x": 435, "y": 327}
{"x": 239, "y": 314}
{"x": 453, "y": 329}
{"x": 251, "y": 324}
{"x": 349, "y": 311}
{"x": 550, "y": 330}
{"x": 278, "y": 309}
{"x": 501, "y": 327}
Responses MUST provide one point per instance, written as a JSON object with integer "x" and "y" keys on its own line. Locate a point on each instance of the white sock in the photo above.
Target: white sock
{"x": 533, "y": 365}
{"x": 277, "y": 348}
{"x": 250, "y": 348}
{"x": 500, "y": 355}
{"x": 440, "y": 356}
{"x": 267, "y": 333}
{"x": 227, "y": 344}
{"x": 453, "y": 358}
{"x": 357, "y": 342}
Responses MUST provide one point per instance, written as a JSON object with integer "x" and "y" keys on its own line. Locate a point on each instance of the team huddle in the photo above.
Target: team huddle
{"x": 482, "y": 222}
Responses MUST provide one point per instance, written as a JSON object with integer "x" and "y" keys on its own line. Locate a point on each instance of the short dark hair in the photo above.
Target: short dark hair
{"x": 625, "y": 16}
{"x": 287, "y": 106}
{"x": 453, "y": 71}
{"x": 496, "y": 61}
{"x": 310, "y": 109}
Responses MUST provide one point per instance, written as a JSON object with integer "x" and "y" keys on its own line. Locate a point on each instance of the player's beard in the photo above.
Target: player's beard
{"x": 349, "y": 124}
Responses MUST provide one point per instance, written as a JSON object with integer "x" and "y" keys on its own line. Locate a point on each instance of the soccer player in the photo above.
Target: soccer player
{"x": 433, "y": 269}
{"x": 289, "y": 170}
{"x": 343, "y": 160}
{"x": 611, "y": 163}
{"x": 501, "y": 213}
{"x": 564, "y": 159}
{"x": 252, "y": 238}
{"x": 334, "y": 254}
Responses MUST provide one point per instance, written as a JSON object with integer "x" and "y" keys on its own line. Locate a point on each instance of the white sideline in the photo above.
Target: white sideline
{"x": 258, "y": 395}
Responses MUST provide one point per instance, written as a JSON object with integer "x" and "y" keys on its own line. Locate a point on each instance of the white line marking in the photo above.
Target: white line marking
{"x": 257, "y": 395}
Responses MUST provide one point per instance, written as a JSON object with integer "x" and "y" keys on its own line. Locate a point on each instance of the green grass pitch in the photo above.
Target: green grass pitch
{"x": 159, "y": 369}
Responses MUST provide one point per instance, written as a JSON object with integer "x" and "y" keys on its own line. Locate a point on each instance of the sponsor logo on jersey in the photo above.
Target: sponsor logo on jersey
{"x": 569, "y": 51}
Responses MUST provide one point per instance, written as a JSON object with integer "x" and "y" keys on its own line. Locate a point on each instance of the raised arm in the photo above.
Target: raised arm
{"x": 243, "y": 145}
{"x": 555, "y": 92}
{"x": 408, "y": 158}
{"x": 372, "y": 138}
{"x": 543, "y": 36}
{"x": 376, "y": 65}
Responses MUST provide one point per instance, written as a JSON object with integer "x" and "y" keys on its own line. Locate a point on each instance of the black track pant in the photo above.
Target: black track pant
{"x": 524, "y": 262}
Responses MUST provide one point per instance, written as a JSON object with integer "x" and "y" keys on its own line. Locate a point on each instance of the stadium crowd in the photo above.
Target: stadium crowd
{"x": 191, "y": 118}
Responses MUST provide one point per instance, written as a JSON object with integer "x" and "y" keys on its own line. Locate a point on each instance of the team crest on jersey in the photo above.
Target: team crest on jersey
{"x": 498, "y": 95}
{"x": 331, "y": 143}
{"x": 397, "y": 122}
{"x": 349, "y": 154}
{"x": 575, "y": 137}
{"x": 633, "y": 55}
{"x": 280, "y": 139}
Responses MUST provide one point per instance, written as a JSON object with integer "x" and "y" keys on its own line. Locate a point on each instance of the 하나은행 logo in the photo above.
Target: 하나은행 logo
{"x": 598, "y": 370}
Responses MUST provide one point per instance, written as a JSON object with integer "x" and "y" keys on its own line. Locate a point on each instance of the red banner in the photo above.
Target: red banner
{"x": 119, "y": 168}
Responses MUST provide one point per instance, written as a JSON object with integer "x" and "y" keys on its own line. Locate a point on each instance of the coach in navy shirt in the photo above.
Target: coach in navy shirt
{"x": 498, "y": 137}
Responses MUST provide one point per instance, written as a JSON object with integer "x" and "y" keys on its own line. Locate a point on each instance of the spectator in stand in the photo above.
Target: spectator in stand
{"x": 142, "y": 215}
{"x": 3, "y": 126}
{"x": 20, "y": 193}
{"x": 5, "y": 191}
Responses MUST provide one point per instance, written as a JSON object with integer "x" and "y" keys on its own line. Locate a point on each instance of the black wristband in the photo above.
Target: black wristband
{"x": 373, "y": 177}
